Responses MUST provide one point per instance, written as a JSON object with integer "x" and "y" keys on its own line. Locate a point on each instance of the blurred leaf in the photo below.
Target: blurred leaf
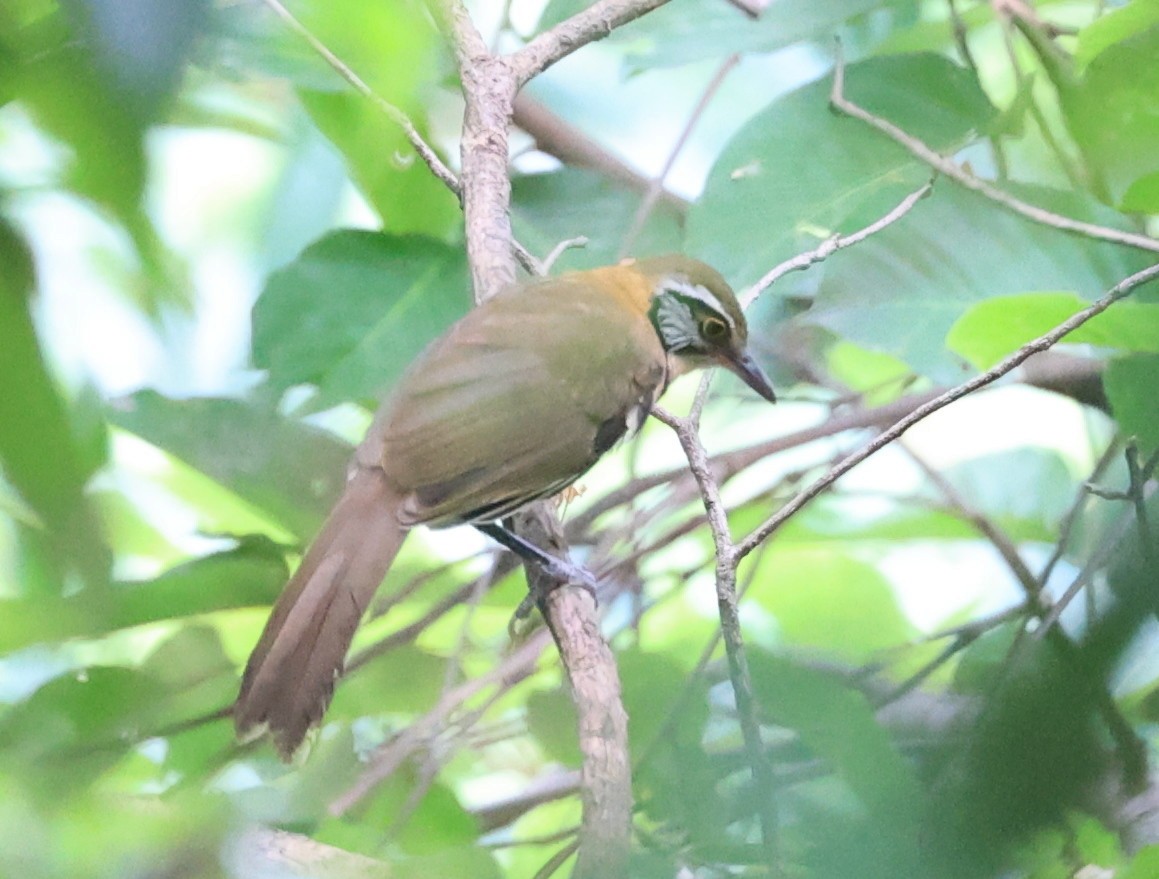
{"x": 695, "y": 30}
{"x": 1114, "y": 27}
{"x": 797, "y": 171}
{"x": 141, "y": 45}
{"x": 197, "y": 675}
{"x": 400, "y": 187}
{"x": 38, "y": 448}
{"x": 654, "y": 686}
{"x": 401, "y": 680}
{"x": 1131, "y": 384}
{"x": 289, "y": 470}
{"x": 251, "y": 574}
{"x": 837, "y": 724}
{"x": 1144, "y": 865}
{"x": 990, "y": 330}
{"x": 472, "y": 861}
{"x": 902, "y": 290}
{"x": 1142, "y": 196}
{"x": 75, "y": 727}
{"x": 1005, "y": 783}
{"x": 824, "y": 599}
{"x": 352, "y": 312}
{"x": 1113, "y": 111}
{"x": 551, "y": 720}
{"x": 1025, "y": 491}
{"x": 549, "y": 208}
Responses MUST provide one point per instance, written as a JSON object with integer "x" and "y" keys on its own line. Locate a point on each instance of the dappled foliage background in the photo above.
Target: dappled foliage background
{"x": 166, "y": 453}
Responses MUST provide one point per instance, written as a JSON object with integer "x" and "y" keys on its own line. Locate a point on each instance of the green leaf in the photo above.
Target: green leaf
{"x": 1114, "y": 27}
{"x": 38, "y": 447}
{"x": 251, "y": 574}
{"x": 1113, "y": 112}
{"x": 406, "y": 195}
{"x": 1027, "y": 491}
{"x": 1142, "y": 196}
{"x": 549, "y": 208}
{"x": 797, "y": 171}
{"x": 352, "y": 312}
{"x": 551, "y": 720}
{"x": 991, "y": 330}
{"x": 1144, "y": 865}
{"x": 837, "y": 724}
{"x": 399, "y": 681}
{"x": 696, "y": 30}
{"x": 291, "y": 471}
{"x": 75, "y": 727}
{"x": 1131, "y": 384}
{"x": 902, "y": 290}
{"x": 824, "y": 599}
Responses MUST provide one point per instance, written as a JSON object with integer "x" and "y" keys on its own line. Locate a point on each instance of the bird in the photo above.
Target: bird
{"x": 512, "y": 404}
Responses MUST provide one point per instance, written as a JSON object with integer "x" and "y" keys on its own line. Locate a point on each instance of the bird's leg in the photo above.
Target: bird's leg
{"x": 556, "y": 568}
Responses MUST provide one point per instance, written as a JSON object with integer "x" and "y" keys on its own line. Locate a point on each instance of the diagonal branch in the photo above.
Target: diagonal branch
{"x": 1042, "y": 343}
{"x": 728, "y": 605}
{"x": 425, "y": 151}
{"x": 961, "y": 176}
{"x": 593, "y": 23}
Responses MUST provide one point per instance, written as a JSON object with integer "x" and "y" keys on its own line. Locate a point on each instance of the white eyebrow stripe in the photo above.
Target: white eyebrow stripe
{"x": 700, "y": 294}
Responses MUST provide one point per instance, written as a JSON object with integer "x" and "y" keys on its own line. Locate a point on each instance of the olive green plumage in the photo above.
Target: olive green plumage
{"x": 512, "y": 404}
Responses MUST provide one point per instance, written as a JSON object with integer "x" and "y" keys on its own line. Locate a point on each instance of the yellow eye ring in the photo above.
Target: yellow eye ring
{"x": 713, "y": 329}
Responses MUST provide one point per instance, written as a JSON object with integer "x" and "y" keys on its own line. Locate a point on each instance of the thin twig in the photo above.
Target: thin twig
{"x": 592, "y": 23}
{"x": 728, "y": 606}
{"x": 1070, "y": 518}
{"x": 1042, "y": 343}
{"x": 959, "y": 175}
{"x": 656, "y": 187}
{"x": 426, "y": 153}
{"x": 833, "y": 244}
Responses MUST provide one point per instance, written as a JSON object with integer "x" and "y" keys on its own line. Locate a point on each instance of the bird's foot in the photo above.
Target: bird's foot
{"x": 557, "y": 569}
{"x": 562, "y": 572}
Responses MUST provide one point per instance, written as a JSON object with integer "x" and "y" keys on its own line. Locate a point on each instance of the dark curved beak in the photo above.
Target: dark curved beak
{"x": 752, "y": 375}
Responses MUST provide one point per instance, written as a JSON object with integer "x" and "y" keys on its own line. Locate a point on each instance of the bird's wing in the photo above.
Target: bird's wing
{"x": 517, "y": 402}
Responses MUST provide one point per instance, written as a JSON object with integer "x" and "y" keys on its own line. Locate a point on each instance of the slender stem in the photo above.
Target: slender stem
{"x": 1042, "y": 343}
{"x": 964, "y": 178}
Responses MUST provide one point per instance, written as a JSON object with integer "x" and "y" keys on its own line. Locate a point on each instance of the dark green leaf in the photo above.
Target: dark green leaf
{"x": 252, "y": 574}
{"x": 352, "y": 312}
{"x": 550, "y": 208}
{"x": 797, "y": 171}
{"x": 837, "y": 724}
{"x": 74, "y": 727}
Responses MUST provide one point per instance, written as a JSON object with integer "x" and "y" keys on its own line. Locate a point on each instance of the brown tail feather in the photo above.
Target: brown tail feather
{"x": 290, "y": 676}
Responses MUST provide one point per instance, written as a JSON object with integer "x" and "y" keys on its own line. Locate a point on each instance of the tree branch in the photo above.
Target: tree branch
{"x": 964, "y": 178}
{"x": 593, "y": 23}
{"x": 1043, "y": 342}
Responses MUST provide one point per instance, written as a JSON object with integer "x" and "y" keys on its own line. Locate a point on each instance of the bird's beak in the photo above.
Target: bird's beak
{"x": 752, "y": 375}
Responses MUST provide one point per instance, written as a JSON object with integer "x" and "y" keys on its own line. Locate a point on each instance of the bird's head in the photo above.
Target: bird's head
{"x": 699, "y": 320}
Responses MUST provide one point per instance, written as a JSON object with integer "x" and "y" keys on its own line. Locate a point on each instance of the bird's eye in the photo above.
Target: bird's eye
{"x": 713, "y": 329}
